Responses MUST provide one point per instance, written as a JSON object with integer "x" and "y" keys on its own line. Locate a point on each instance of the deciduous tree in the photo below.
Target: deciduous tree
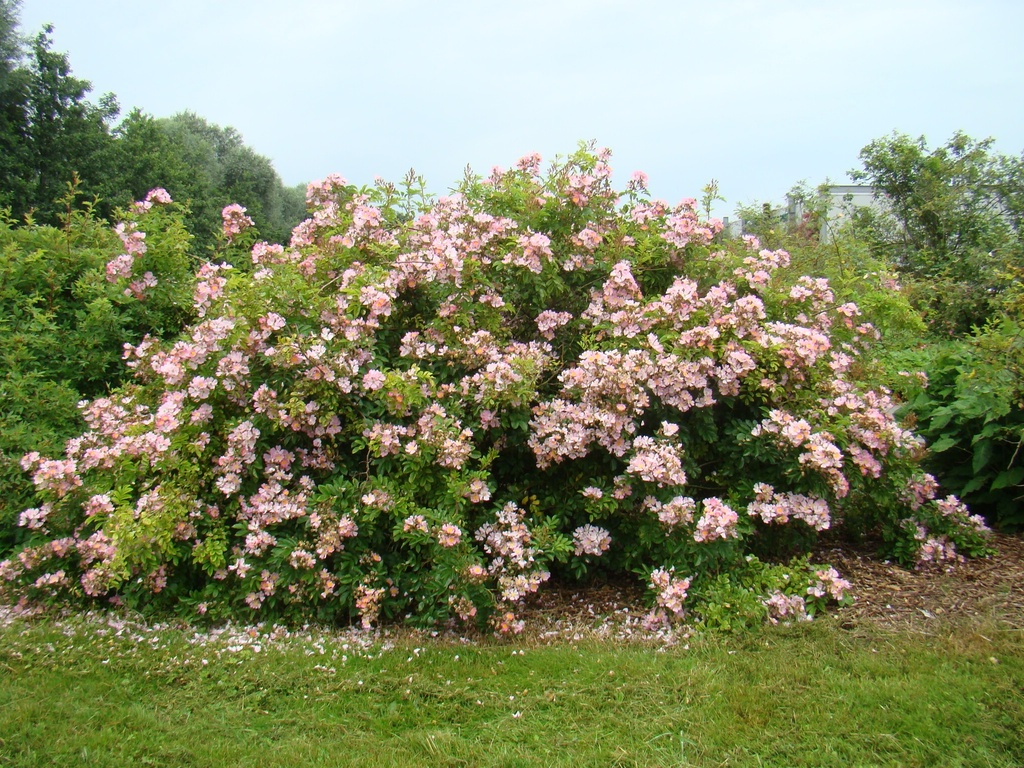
{"x": 950, "y": 226}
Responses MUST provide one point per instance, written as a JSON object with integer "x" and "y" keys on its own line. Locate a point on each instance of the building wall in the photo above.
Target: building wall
{"x": 843, "y": 199}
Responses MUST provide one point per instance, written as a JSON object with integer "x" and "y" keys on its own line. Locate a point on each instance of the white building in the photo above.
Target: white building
{"x": 841, "y": 201}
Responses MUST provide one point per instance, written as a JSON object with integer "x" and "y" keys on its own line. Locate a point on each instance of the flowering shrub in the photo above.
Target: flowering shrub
{"x": 754, "y": 592}
{"x": 71, "y": 296}
{"x": 423, "y": 407}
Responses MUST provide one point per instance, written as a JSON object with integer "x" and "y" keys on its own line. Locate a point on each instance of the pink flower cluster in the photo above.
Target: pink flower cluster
{"x": 449, "y": 535}
{"x": 477, "y": 491}
{"x": 55, "y": 475}
{"x": 757, "y": 270}
{"x": 35, "y": 518}
{"x": 954, "y": 517}
{"x": 138, "y": 288}
{"x": 656, "y": 462}
{"x": 683, "y": 226}
{"x": 774, "y": 507}
{"x": 827, "y": 582}
{"x": 235, "y": 220}
{"x": 508, "y": 542}
{"x": 785, "y": 608}
{"x": 935, "y": 549}
{"x": 591, "y": 540}
{"x": 241, "y": 452}
{"x": 368, "y": 604}
{"x": 920, "y": 491}
{"x": 132, "y": 238}
{"x": 120, "y": 266}
{"x": 549, "y": 320}
{"x": 533, "y": 249}
{"x": 158, "y": 196}
{"x": 669, "y": 595}
{"x": 819, "y": 452}
{"x": 718, "y": 521}
{"x": 674, "y": 513}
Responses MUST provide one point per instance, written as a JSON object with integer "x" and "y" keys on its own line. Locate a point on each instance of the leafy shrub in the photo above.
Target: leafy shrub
{"x": 972, "y": 417}
{"x": 422, "y": 408}
{"x": 63, "y": 324}
{"x": 754, "y": 592}
{"x": 828, "y": 242}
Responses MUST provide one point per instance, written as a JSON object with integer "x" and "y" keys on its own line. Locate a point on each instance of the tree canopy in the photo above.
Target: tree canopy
{"x": 52, "y": 135}
{"x": 952, "y": 223}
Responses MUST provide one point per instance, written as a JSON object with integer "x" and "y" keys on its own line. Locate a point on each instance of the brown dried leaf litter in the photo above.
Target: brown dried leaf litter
{"x": 885, "y": 596}
{"x": 978, "y": 590}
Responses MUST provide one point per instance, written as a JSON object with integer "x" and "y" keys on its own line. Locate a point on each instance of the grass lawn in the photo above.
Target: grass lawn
{"x": 109, "y": 692}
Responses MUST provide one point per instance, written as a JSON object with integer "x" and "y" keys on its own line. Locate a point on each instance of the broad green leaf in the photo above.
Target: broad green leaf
{"x": 976, "y": 483}
{"x": 982, "y": 455}
{"x": 1008, "y": 477}
{"x": 921, "y": 401}
{"x": 989, "y": 430}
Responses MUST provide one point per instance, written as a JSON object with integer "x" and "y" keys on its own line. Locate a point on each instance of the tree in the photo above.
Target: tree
{"x": 13, "y": 107}
{"x": 50, "y": 134}
{"x": 203, "y": 165}
{"x": 10, "y": 43}
{"x": 947, "y": 229}
{"x": 67, "y": 133}
{"x": 225, "y": 171}
{"x": 953, "y": 229}
{"x": 142, "y": 157}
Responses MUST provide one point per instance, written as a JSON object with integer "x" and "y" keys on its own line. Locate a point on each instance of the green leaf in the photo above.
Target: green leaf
{"x": 974, "y": 484}
{"x": 1008, "y": 477}
{"x": 982, "y": 455}
{"x": 920, "y": 402}
{"x": 989, "y": 430}
{"x": 940, "y": 418}
{"x": 942, "y": 444}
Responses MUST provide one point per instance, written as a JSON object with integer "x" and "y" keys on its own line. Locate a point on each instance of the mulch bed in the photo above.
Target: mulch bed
{"x": 886, "y": 596}
{"x": 978, "y": 590}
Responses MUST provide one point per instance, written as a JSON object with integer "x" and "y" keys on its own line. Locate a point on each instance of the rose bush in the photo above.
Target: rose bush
{"x": 67, "y": 309}
{"x": 423, "y": 407}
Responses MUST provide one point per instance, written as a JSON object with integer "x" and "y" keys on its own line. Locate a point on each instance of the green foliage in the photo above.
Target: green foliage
{"x": 63, "y": 326}
{"x": 203, "y": 166}
{"x": 52, "y": 135}
{"x": 13, "y": 107}
{"x": 954, "y": 232}
{"x": 971, "y": 414}
{"x": 950, "y": 223}
{"x": 753, "y": 592}
{"x": 214, "y": 168}
{"x": 945, "y": 242}
{"x": 424, "y": 408}
{"x": 824, "y": 241}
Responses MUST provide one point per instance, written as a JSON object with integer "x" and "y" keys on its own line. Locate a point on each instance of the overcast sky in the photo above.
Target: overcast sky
{"x": 758, "y": 95}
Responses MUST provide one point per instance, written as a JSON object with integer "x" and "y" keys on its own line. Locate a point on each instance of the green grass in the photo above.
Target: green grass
{"x": 76, "y": 692}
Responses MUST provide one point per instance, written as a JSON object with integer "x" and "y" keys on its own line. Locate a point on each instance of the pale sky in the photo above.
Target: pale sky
{"x": 758, "y": 95}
